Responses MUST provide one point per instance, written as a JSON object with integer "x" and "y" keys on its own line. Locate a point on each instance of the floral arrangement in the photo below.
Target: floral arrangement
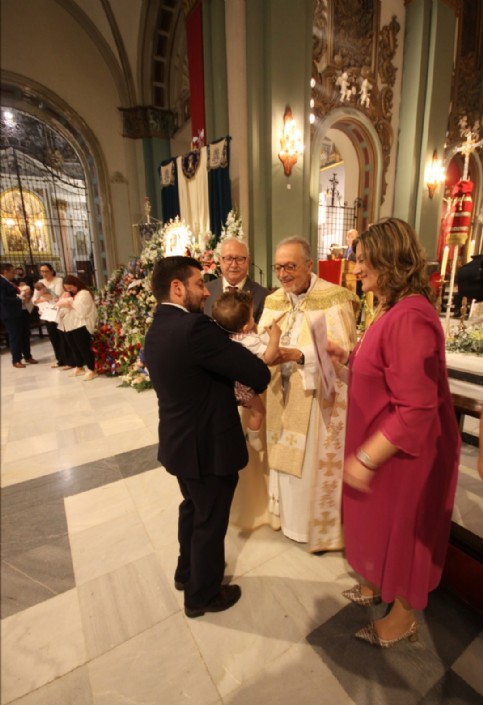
{"x": 124, "y": 308}
{"x": 208, "y": 252}
{"x": 125, "y": 305}
{"x": 138, "y": 375}
{"x": 233, "y": 227}
{"x": 469, "y": 340}
{"x": 207, "y": 255}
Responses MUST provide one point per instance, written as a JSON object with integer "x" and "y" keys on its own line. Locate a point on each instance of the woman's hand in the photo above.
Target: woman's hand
{"x": 337, "y": 353}
{"x": 356, "y": 474}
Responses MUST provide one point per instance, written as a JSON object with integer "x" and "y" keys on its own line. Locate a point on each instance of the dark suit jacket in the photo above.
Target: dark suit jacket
{"x": 192, "y": 364}
{"x": 258, "y": 292}
{"x": 10, "y": 304}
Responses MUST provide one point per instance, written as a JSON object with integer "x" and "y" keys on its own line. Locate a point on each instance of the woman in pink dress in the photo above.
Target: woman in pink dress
{"x": 402, "y": 441}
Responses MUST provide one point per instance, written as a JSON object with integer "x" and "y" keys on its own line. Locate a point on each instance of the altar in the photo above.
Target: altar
{"x": 464, "y": 565}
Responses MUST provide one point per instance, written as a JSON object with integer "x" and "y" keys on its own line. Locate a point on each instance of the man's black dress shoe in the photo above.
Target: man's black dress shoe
{"x": 228, "y": 595}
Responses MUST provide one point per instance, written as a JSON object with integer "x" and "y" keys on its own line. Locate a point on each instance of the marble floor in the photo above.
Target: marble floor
{"x": 90, "y": 615}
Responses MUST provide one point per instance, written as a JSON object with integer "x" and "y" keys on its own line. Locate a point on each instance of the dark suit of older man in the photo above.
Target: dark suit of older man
{"x": 193, "y": 364}
{"x": 258, "y": 292}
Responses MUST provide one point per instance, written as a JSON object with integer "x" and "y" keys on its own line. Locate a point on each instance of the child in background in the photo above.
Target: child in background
{"x": 233, "y": 311}
{"x": 25, "y": 294}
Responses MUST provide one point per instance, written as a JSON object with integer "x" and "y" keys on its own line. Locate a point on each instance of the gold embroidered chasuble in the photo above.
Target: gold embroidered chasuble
{"x": 305, "y": 428}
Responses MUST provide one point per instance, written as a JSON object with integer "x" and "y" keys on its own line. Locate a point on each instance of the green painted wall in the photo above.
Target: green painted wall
{"x": 425, "y": 102}
{"x": 215, "y": 71}
{"x": 279, "y": 49}
{"x": 155, "y": 150}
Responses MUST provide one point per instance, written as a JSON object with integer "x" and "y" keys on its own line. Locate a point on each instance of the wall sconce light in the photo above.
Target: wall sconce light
{"x": 290, "y": 142}
{"x": 434, "y": 174}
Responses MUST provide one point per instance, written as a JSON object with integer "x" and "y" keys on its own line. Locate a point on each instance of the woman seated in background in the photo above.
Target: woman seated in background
{"x": 402, "y": 441}
{"x": 77, "y": 319}
{"x": 54, "y": 287}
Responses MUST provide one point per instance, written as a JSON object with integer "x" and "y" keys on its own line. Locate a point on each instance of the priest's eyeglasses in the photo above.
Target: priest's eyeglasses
{"x": 229, "y": 260}
{"x": 290, "y": 267}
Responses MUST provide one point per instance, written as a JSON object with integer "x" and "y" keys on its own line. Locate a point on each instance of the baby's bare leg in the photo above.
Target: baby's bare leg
{"x": 257, "y": 413}
{"x": 255, "y": 420}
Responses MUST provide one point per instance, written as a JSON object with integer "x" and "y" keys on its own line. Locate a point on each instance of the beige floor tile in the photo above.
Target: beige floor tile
{"x": 161, "y": 666}
{"x": 108, "y": 546}
{"x": 297, "y": 676}
{"x": 469, "y": 665}
{"x": 126, "y": 602}
{"x": 283, "y": 599}
{"x": 40, "y": 644}
{"x": 156, "y": 495}
{"x": 129, "y": 423}
{"x": 98, "y": 506}
{"x": 72, "y": 689}
{"x": 42, "y": 443}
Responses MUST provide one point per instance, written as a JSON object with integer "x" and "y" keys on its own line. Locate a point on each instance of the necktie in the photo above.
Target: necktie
{"x": 231, "y": 288}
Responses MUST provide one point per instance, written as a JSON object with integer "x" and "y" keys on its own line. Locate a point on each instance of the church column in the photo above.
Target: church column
{"x": 430, "y": 34}
{"x": 279, "y": 46}
{"x": 65, "y": 243}
{"x": 154, "y": 127}
{"x": 215, "y": 70}
{"x": 237, "y": 107}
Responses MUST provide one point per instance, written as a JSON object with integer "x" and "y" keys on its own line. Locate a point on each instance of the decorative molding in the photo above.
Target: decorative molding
{"x": 467, "y": 99}
{"x": 32, "y": 98}
{"x": 117, "y": 177}
{"x": 146, "y": 121}
{"x": 352, "y": 64}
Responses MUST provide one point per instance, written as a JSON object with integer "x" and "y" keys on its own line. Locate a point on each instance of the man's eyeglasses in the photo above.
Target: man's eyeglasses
{"x": 290, "y": 267}
{"x": 229, "y": 260}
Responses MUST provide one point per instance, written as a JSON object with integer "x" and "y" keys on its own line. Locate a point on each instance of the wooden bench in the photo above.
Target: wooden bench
{"x": 465, "y": 406}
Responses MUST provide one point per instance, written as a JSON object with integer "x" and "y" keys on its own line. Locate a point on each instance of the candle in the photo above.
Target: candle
{"x": 444, "y": 263}
{"x": 471, "y": 250}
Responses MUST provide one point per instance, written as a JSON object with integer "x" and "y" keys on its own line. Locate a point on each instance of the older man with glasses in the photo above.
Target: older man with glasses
{"x": 305, "y": 419}
{"x": 234, "y": 264}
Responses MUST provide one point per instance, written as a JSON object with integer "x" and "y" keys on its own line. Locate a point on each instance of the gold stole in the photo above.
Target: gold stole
{"x": 288, "y": 417}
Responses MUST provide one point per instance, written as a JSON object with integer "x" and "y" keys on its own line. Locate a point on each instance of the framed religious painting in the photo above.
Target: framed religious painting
{"x": 24, "y": 226}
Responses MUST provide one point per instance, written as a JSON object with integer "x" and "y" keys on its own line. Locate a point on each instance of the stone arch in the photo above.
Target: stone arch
{"x": 369, "y": 154}
{"x": 36, "y": 100}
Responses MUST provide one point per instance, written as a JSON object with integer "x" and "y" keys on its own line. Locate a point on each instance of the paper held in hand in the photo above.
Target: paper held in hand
{"x": 318, "y": 328}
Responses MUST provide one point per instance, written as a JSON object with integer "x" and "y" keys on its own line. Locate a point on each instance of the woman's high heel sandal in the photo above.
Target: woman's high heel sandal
{"x": 368, "y": 633}
{"x": 355, "y": 595}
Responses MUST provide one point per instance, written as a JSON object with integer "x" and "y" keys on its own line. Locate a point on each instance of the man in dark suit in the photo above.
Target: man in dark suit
{"x": 193, "y": 364}
{"x": 15, "y": 317}
{"x": 234, "y": 265}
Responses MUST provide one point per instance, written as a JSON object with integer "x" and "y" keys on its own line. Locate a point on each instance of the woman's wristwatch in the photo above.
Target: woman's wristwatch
{"x": 301, "y": 360}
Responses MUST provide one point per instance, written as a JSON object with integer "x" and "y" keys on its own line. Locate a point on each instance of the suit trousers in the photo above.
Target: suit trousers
{"x": 202, "y": 525}
{"x": 18, "y": 330}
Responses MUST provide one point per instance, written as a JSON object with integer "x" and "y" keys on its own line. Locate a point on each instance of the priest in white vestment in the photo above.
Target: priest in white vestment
{"x": 306, "y": 416}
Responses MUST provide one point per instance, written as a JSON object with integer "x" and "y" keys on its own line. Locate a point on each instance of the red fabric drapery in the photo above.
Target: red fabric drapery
{"x": 194, "y": 38}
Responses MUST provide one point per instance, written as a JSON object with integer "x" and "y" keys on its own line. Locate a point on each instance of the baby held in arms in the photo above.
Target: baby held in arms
{"x": 233, "y": 311}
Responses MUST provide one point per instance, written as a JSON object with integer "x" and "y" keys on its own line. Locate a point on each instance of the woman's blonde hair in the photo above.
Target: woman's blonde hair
{"x": 392, "y": 248}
